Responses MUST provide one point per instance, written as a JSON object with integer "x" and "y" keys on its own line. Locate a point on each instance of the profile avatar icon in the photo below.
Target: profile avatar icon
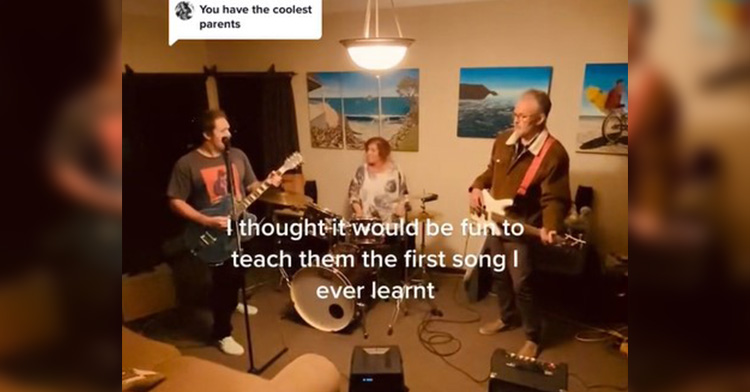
{"x": 184, "y": 10}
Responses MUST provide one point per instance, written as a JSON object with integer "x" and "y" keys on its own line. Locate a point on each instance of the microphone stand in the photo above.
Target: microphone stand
{"x": 235, "y": 217}
{"x": 409, "y": 279}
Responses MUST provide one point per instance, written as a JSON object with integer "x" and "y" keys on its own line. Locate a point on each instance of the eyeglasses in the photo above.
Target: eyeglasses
{"x": 522, "y": 117}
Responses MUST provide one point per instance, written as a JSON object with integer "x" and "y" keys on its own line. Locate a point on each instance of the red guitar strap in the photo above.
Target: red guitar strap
{"x": 534, "y": 167}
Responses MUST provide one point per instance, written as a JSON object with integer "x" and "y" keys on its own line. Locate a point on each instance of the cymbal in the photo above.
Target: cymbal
{"x": 420, "y": 216}
{"x": 287, "y": 212}
{"x": 285, "y": 199}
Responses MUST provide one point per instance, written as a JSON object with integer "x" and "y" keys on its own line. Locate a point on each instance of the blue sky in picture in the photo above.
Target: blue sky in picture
{"x": 603, "y": 77}
{"x": 509, "y": 82}
{"x": 359, "y": 84}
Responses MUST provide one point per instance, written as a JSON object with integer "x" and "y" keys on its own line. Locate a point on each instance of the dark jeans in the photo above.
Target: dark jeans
{"x": 227, "y": 281}
{"x": 515, "y": 292}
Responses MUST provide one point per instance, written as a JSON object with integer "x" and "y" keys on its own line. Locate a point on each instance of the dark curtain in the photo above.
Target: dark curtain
{"x": 158, "y": 110}
{"x": 260, "y": 108}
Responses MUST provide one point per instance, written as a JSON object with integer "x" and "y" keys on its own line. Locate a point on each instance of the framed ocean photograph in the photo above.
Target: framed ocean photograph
{"x": 487, "y": 96}
{"x": 603, "y": 120}
{"x": 347, "y": 108}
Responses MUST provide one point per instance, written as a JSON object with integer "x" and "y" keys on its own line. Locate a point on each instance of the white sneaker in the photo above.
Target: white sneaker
{"x": 230, "y": 346}
{"x": 251, "y": 310}
{"x": 134, "y": 379}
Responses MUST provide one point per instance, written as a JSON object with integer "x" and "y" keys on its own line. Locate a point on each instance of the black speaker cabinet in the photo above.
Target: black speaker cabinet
{"x": 376, "y": 369}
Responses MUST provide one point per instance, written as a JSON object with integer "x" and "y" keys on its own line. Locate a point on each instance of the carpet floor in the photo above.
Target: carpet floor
{"x": 594, "y": 363}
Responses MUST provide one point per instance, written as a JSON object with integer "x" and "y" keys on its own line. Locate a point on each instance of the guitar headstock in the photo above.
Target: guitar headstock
{"x": 291, "y": 162}
{"x": 570, "y": 241}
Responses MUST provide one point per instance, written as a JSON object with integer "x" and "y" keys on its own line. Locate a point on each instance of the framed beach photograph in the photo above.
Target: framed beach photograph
{"x": 487, "y": 96}
{"x": 347, "y": 108}
{"x": 603, "y": 120}
{"x": 325, "y": 106}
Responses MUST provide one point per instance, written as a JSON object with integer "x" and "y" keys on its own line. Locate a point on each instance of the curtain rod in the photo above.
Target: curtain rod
{"x": 213, "y": 72}
{"x": 270, "y": 72}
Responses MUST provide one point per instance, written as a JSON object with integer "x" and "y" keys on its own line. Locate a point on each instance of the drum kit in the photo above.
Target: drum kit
{"x": 334, "y": 314}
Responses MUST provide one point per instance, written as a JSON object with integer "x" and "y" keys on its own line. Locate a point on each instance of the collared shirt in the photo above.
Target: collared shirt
{"x": 536, "y": 144}
{"x": 522, "y": 146}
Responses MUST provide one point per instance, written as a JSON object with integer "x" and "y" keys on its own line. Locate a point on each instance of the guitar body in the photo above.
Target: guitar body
{"x": 495, "y": 211}
{"x": 213, "y": 246}
{"x": 492, "y": 206}
{"x": 498, "y": 206}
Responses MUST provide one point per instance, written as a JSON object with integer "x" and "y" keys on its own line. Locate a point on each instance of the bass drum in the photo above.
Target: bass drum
{"x": 331, "y": 314}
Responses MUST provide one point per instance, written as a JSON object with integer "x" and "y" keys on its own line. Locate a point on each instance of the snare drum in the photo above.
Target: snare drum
{"x": 360, "y": 231}
{"x": 314, "y": 212}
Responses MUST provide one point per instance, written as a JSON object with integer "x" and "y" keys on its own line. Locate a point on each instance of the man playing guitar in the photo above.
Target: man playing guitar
{"x": 526, "y": 164}
{"x": 198, "y": 181}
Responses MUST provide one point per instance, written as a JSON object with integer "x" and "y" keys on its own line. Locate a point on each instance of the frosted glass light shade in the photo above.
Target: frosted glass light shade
{"x": 377, "y": 53}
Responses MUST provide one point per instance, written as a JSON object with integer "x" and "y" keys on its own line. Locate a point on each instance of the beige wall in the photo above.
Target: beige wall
{"x": 145, "y": 49}
{"x": 563, "y": 34}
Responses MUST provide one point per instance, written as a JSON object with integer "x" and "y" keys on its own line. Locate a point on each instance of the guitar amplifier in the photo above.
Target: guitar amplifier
{"x": 477, "y": 281}
{"x": 377, "y": 369}
{"x": 512, "y": 373}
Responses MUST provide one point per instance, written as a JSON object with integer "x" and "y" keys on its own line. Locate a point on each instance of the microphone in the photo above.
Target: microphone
{"x": 227, "y": 144}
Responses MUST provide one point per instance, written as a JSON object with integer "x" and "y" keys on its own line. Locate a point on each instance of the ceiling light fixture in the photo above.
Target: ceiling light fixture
{"x": 377, "y": 53}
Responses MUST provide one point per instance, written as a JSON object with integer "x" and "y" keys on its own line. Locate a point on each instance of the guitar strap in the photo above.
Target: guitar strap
{"x": 534, "y": 167}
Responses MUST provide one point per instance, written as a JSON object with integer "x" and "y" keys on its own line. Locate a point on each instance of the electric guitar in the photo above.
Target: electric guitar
{"x": 495, "y": 211}
{"x": 214, "y": 245}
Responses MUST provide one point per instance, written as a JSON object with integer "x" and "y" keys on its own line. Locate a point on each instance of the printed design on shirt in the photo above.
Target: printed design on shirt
{"x": 384, "y": 202}
{"x": 390, "y": 186}
{"x": 215, "y": 180}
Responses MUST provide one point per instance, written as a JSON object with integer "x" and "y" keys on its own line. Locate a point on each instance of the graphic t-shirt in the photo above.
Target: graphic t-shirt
{"x": 202, "y": 181}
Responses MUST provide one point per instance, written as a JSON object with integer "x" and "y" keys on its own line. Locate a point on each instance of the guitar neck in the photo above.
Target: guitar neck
{"x": 253, "y": 196}
{"x": 527, "y": 229}
{"x": 291, "y": 162}
{"x": 536, "y": 232}
{"x": 531, "y": 230}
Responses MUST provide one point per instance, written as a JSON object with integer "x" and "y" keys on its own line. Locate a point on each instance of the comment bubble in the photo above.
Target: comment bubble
{"x": 245, "y": 20}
